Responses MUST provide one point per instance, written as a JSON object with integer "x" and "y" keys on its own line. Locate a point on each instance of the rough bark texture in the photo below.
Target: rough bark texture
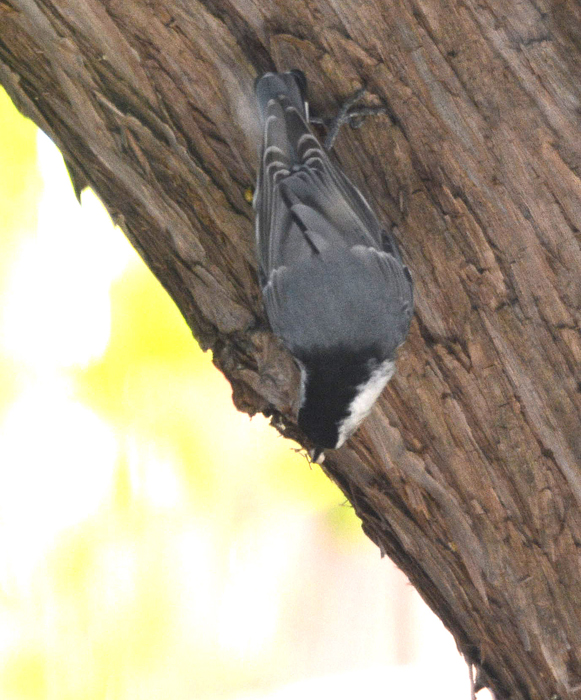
{"x": 467, "y": 474}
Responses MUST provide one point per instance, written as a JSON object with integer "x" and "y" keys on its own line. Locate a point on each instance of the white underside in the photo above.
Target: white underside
{"x": 363, "y": 403}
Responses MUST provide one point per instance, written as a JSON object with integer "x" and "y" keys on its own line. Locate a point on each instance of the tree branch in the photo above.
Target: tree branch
{"x": 467, "y": 473}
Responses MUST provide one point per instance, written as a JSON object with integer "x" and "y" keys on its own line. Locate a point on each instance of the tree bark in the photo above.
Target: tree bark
{"x": 467, "y": 473}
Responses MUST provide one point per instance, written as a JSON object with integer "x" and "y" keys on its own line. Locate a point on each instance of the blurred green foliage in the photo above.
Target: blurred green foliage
{"x": 199, "y": 517}
{"x": 20, "y": 184}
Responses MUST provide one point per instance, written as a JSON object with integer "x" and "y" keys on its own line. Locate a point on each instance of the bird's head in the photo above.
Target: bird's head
{"x": 338, "y": 389}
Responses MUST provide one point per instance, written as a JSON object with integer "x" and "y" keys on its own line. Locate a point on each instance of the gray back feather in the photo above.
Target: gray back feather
{"x": 328, "y": 268}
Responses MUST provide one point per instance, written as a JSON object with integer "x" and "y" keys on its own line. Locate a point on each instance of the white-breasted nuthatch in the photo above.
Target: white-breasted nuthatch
{"x": 334, "y": 286}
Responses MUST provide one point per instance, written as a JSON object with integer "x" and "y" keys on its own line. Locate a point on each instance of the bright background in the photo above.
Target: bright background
{"x": 155, "y": 543}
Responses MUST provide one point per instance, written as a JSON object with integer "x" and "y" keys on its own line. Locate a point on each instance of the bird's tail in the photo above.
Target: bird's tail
{"x": 291, "y": 85}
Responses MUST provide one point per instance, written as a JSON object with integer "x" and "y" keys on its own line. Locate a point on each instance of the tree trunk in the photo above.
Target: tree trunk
{"x": 467, "y": 473}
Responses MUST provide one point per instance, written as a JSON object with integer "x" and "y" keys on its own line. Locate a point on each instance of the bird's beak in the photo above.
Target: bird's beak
{"x": 317, "y": 455}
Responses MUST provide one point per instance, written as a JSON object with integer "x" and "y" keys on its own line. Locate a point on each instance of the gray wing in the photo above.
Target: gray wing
{"x": 329, "y": 272}
{"x": 304, "y": 203}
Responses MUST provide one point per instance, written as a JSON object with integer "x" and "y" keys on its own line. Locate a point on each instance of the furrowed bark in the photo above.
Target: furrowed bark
{"x": 468, "y": 472}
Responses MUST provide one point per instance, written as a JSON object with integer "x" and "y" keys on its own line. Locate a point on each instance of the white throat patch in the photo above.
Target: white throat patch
{"x": 367, "y": 395}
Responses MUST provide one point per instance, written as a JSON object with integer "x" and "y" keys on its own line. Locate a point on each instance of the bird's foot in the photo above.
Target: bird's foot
{"x": 348, "y": 114}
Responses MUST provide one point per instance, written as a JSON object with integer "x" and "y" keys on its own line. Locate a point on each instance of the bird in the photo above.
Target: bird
{"x": 334, "y": 286}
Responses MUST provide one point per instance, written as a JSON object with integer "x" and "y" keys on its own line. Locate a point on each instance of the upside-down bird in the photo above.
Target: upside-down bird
{"x": 335, "y": 288}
